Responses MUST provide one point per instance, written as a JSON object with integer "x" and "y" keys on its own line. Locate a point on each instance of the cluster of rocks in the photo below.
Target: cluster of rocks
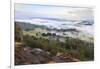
{"x": 27, "y": 55}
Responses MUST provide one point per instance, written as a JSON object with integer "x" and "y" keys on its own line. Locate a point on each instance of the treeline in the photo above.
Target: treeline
{"x": 48, "y": 34}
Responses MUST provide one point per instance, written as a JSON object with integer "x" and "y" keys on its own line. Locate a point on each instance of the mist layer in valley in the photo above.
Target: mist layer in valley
{"x": 80, "y": 29}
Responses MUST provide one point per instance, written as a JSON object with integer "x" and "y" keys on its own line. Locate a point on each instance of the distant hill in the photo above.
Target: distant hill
{"x": 29, "y": 26}
{"x": 86, "y": 22}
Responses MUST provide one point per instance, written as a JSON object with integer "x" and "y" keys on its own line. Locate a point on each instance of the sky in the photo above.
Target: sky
{"x": 34, "y": 11}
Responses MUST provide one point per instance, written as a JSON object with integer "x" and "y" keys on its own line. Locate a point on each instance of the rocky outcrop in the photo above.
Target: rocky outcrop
{"x": 27, "y": 55}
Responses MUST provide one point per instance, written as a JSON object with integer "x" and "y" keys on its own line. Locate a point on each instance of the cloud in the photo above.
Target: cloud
{"x": 26, "y": 11}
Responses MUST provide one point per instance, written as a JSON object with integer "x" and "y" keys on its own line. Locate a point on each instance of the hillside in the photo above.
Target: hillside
{"x": 39, "y": 50}
{"x": 29, "y": 26}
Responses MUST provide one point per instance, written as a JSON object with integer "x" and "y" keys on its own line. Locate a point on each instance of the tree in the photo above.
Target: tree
{"x": 18, "y": 33}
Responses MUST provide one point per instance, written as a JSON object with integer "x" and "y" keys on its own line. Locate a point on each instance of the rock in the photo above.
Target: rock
{"x": 57, "y": 59}
{"x": 68, "y": 58}
{"x": 31, "y": 56}
{"x": 42, "y": 56}
{"x": 27, "y": 55}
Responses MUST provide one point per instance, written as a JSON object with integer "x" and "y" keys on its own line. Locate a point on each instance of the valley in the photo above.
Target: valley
{"x": 39, "y": 44}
